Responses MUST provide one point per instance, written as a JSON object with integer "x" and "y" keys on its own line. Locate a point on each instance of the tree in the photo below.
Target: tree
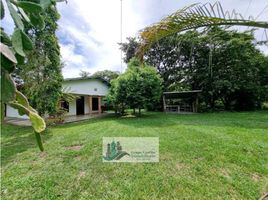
{"x": 237, "y": 72}
{"x": 226, "y": 65}
{"x": 193, "y": 17}
{"x": 84, "y": 74}
{"x": 170, "y": 56}
{"x": 44, "y": 85}
{"x": 139, "y": 87}
{"x": 13, "y": 52}
{"x": 129, "y": 48}
{"x": 106, "y": 75}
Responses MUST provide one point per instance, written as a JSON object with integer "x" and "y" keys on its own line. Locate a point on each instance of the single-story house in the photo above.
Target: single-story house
{"x": 90, "y": 94}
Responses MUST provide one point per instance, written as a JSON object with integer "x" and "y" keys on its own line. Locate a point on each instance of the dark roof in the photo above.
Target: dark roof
{"x": 179, "y": 94}
{"x": 87, "y": 78}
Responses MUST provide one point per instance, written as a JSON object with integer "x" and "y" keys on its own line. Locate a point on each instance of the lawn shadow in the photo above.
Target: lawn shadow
{"x": 248, "y": 120}
{"x": 15, "y": 141}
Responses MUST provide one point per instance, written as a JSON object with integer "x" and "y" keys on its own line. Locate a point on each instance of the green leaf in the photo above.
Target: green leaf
{"x": 5, "y": 38}
{"x": 21, "y": 109}
{"x": 7, "y": 64}
{"x": 2, "y": 9}
{"x": 39, "y": 141}
{"x": 38, "y": 122}
{"x": 15, "y": 15}
{"x": 21, "y": 99}
{"x": 8, "y": 87}
{"x": 45, "y": 3}
{"x": 4, "y": 49}
{"x": 20, "y": 59}
{"x": 30, "y": 7}
{"x": 24, "y": 15}
{"x": 8, "y": 60}
{"x": 17, "y": 42}
{"x": 27, "y": 42}
{"x": 37, "y": 21}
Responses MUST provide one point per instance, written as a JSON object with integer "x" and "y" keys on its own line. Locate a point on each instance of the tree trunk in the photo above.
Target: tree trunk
{"x": 134, "y": 111}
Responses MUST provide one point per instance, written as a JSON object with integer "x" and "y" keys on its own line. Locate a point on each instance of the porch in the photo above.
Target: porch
{"x": 84, "y": 105}
{"x": 68, "y": 119}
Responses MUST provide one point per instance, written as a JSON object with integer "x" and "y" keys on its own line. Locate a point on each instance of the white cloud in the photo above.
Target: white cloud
{"x": 94, "y": 26}
{"x": 90, "y": 30}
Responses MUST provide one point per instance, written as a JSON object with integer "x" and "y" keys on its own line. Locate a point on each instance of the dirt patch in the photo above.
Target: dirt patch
{"x": 75, "y": 147}
{"x": 256, "y": 177}
{"x": 81, "y": 174}
{"x": 180, "y": 166}
{"x": 225, "y": 173}
{"x": 43, "y": 154}
{"x": 78, "y": 158}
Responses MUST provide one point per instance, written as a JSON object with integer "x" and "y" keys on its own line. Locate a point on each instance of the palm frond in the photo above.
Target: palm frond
{"x": 192, "y": 17}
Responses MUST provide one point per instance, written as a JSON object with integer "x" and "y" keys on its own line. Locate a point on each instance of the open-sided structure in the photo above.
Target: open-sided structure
{"x": 181, "y": 101}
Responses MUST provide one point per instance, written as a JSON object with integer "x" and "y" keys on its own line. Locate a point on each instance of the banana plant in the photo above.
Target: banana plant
{"x": 193, "y": 17}
{"x": 13, "y": 51}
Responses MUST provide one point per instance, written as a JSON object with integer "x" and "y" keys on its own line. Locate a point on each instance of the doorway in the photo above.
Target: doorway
{"x": 80, "y": 106}
{"x": 95, "y": 104}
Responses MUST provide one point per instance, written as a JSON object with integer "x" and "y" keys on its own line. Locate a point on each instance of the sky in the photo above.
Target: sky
{"x": 89, "y": 30}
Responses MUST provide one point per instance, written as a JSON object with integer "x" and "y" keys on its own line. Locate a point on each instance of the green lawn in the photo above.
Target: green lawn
{"x": 202, "y": 156}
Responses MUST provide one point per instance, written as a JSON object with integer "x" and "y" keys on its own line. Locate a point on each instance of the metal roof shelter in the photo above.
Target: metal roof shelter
{"x": 181, "y": 101}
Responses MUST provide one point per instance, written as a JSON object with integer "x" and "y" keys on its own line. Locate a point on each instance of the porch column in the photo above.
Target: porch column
{"x": 99, "y": 103}
{"x": 90, "y": 104}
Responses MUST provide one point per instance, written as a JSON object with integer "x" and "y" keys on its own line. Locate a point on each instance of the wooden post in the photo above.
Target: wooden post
{"x": 99, "y": 103}
{"x": 164, "y": 102}
{"x": 90, "y": 104}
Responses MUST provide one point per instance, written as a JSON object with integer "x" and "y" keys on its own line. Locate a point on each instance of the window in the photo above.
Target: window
{"x": 95, "y": 89}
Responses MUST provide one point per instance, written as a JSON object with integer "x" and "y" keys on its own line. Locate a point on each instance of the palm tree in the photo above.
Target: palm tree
{"x": 193, "y": 17}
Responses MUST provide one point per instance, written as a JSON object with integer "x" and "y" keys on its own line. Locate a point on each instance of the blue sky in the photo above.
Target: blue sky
{"x": 89, "y": 30}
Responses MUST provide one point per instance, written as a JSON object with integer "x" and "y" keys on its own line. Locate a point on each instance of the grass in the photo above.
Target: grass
{"x": 202, "y": 156}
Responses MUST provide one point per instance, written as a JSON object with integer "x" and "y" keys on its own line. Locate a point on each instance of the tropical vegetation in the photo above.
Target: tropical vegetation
{"x": 14, "y": 51}
{"x": 139, "y": 87}
{"x": 193, "y": 17}
{"x": 41, "y": 77}
{"x": 225, "y": 64}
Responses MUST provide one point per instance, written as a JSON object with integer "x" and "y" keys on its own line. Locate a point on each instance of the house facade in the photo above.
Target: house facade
{"x": 90, "y": 93}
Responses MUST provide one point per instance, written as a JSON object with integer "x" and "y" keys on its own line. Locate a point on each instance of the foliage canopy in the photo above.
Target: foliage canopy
{"x": 139, "y": 87}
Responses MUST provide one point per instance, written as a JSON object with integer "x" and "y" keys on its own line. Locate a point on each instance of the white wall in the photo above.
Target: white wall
{"x": 11, "y": 112}
{"x": 86, "y": 87}
{"x": 72, "y": 108}
{"x": 86, "y": 104}
{"x": 79, "y": 87}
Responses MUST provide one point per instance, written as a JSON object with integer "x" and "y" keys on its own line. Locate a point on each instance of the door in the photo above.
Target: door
{"x": 95, "y": 104}
{"x": 80, "y": 106}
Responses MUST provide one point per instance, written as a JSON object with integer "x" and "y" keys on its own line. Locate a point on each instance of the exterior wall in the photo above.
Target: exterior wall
{"x": 72, "y": 108}
{"x": 86, "y": 104}
{"x": 11, "y": 112}
{"x": 87, "y": 87}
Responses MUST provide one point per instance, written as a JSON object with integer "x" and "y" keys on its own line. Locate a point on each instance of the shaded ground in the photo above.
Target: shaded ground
{"x": 202, "y": 156}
